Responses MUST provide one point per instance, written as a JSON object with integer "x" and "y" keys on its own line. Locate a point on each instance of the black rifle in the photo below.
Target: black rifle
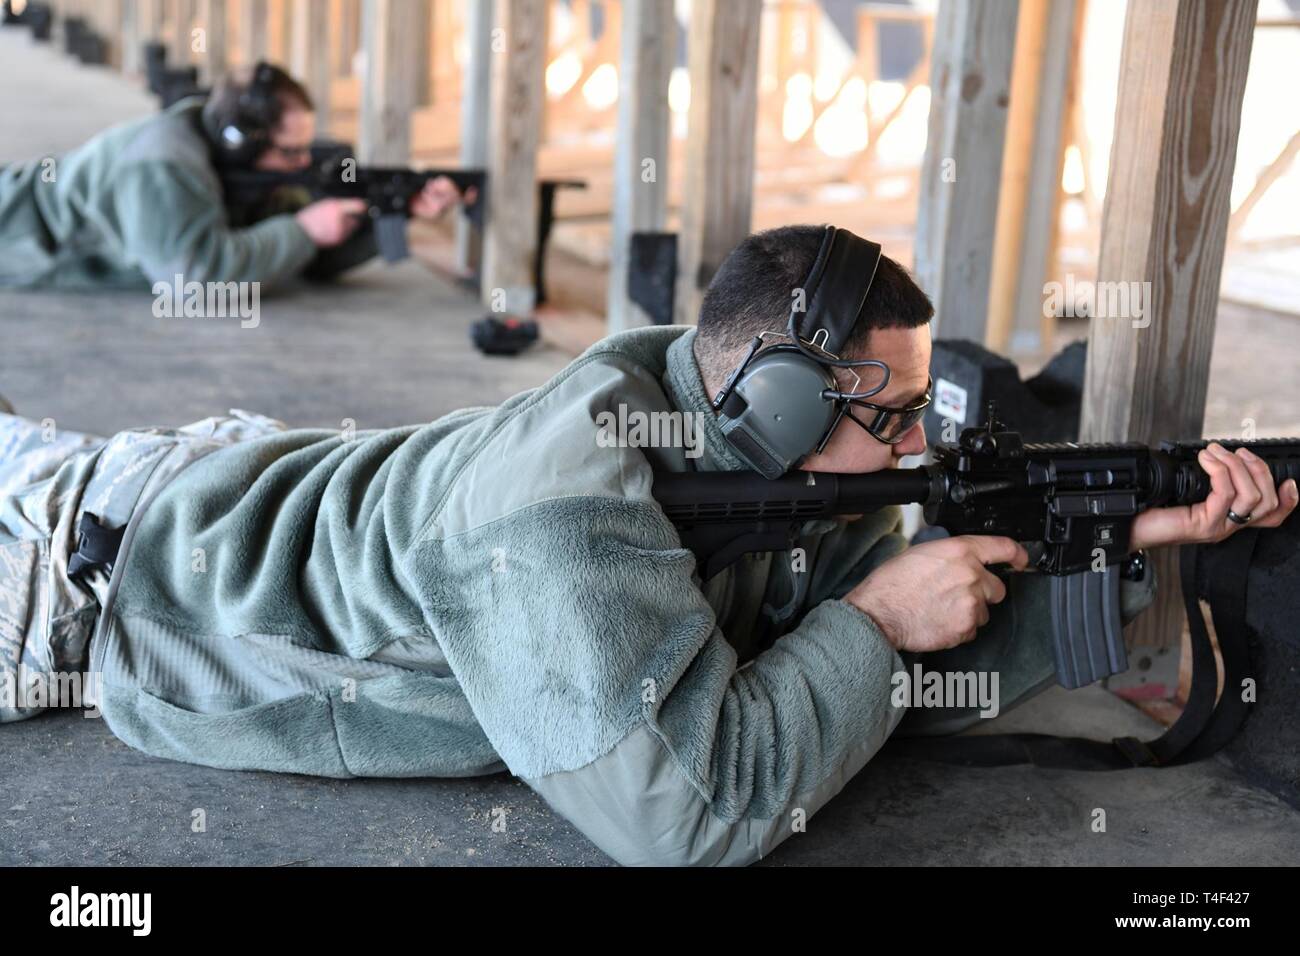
{"x": 1072, "y": 505}
{"x": 334, "y": 172}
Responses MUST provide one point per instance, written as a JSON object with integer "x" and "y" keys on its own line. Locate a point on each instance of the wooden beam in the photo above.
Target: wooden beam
{"x": 254, "y": 24}
{"x": 474, "y": 109}
{"x": 649, "y": 48}
{"x": 129, "y": 59}
{"x": 388, "y": 86}
{"x": 1182, "y": 77}
{"x": 180, "y": 51}
{"x": 309, "y": 54}
{"x": 719, "y": 172}
{"x": 279, "y": 30}
{"x": 214, "y": 62}
{"x": 518, "y": 101}
{"x": 970, "y": 82}
{"x": 1046, "y": 45}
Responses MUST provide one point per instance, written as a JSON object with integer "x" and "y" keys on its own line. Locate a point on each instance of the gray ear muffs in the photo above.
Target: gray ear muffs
{"x": 778, "y": 407}
{"x": 772, "y": 408}
{"x": 241, "y": 141}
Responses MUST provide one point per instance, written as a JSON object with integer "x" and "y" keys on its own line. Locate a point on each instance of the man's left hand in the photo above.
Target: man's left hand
{"x": 437, "y": 196}
{"x": 1240, "y": 482}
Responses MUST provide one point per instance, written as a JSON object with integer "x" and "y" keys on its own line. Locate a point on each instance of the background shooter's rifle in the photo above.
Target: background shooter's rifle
{"x": 334, "y": 172}
{"x": 1072, "y": 505}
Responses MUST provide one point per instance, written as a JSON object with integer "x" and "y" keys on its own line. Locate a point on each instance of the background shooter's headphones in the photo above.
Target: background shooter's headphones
{"x": 778, "y": 407}
{"x": 238, "y": 141}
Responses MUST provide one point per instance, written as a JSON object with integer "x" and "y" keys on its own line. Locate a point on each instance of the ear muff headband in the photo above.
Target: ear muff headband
{"x": 248, "y": 135}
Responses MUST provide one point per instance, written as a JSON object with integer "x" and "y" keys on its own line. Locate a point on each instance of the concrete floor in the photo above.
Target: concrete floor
{"x": 389, "y": 347}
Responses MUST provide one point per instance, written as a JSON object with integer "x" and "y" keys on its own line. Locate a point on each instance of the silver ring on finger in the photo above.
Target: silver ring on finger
{"x": 1236, "y": 518}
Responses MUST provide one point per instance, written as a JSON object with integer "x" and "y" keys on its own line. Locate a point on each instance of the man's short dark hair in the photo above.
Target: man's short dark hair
{"x": 222, "y": 107}
{"x": 753, "y": 292}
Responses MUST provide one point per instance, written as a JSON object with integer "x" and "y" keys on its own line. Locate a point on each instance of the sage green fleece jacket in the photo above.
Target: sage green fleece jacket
{"x": 139, "y": 203}
{"x": 499, "y": 590}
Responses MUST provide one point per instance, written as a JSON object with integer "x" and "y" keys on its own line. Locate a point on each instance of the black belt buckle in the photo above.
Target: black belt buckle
{"x": 97, "y": 546}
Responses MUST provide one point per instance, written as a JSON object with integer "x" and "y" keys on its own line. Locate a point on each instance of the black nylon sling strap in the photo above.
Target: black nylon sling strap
{"x": 1204, "y": 725}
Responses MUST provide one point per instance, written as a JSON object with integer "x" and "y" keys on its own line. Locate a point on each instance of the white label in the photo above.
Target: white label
{"x": 950, "y": 401}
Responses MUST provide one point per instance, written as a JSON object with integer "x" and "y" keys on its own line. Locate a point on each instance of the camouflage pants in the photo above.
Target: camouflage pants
{"x": 48, "y": 479}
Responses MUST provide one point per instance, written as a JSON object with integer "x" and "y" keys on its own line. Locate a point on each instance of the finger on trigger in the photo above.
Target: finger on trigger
{"x": 998, "y": 549}
{"x": 992, "y": 587}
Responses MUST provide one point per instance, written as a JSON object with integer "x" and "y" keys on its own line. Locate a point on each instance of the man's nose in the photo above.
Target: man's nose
{"x": 912, "y": 444}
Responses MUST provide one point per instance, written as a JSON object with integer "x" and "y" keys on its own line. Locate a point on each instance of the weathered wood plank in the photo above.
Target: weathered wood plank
{"x": 649, "y": 46}
{"x": 1181, "y": 81}
{"x": 388, "y": 86}
{"x": 309, "y": 54}
{"x": 970, "y": 81}
{"x": 518, "y": 101}
{"x": 719, "y": 170}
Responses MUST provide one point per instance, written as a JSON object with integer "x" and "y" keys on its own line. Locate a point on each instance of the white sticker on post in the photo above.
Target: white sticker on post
{"x": 950, "y": 401}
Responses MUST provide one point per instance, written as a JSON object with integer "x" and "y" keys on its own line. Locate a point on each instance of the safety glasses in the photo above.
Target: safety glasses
{"x": 885, "y": 423}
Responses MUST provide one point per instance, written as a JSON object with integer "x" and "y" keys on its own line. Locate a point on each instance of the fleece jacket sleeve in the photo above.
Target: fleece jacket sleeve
{"x": 596, "y": 668}
{"x": 172, "y": 224}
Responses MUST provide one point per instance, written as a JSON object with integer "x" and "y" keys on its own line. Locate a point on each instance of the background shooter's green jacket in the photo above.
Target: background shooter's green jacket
{"x": 138, "y": 203}
{"x": 496, "y": 589}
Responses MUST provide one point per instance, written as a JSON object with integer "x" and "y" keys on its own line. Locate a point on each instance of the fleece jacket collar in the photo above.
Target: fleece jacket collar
{"x": 686, "y": 390}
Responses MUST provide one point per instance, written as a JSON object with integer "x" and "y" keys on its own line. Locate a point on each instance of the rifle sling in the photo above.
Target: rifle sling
{"x": 1201, "y": 730}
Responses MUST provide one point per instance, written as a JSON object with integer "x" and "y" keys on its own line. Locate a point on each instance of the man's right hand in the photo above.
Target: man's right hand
{"x": 936, "y": 594}
{"x": 328, "y": 222}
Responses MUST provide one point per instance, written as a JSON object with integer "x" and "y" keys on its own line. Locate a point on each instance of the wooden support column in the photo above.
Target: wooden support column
{"x": 254, "y": 24}
{"x": 129, "y": 37}
{"x": 309, "y": 59}
{"x": 649, "y": 47}
{"x": 388, "y": 85}
{"x": 1046, "y": 50}
{"x": 1182, "y": 76}
{"x": 970, "y": 79}
{"x": 180, "y": 49}
{"x": 518, "y": 101}
{"x": 214, "y": 61}
{"x": 151, "y": 25}
{"x": 719, "y": 175}
{"x": 474, "y": 110}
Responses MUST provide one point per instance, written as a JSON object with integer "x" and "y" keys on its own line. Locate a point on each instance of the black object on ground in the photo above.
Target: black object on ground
{"x": 545, "y": 219}
{"x": 652, "y": 274}
{"x": 494, "y": 335}
{"x": 38, "y": 16}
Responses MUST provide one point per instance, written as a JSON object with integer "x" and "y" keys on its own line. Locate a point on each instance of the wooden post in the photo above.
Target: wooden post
{"x": 970, "y": 79}
{"x": 719, "y": 175}
{"x": 474, "y": 109}
{"x": 518, "y": 100}
{"x": 1181, "y": 80}
{"x": 1046, "y": 49}
{"x": 129, "y": 57}
{"x": 309, "y": 58}
{"x": 649, "y": 47}
{"x": 183, "y": 14}
{"x": 388, "y": 86}
{"x": 214, "y": 62}
{"x": 254, "y": 21}
{"x": 279, "y": 31}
